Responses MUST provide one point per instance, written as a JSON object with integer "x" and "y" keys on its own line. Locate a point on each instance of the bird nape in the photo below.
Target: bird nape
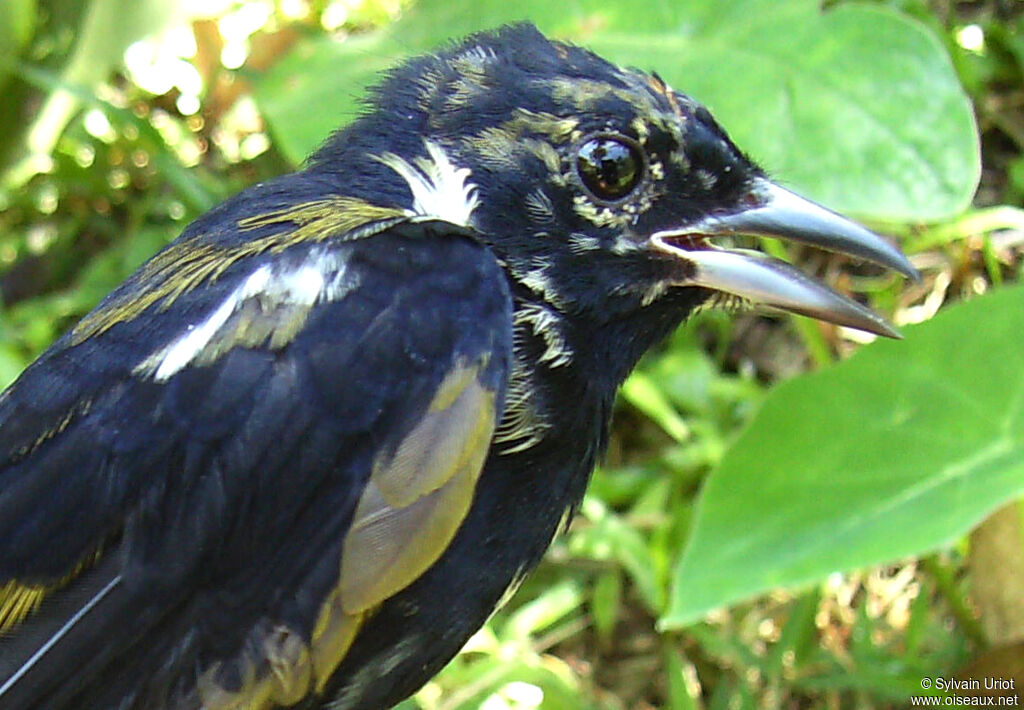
{"x": 303, "y": 453}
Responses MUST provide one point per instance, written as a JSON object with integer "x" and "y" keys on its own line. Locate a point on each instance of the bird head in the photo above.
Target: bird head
{"x": 602, "y": 191}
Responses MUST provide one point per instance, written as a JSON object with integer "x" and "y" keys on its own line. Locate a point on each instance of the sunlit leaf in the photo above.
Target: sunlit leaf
{"x": 892, "y": 453}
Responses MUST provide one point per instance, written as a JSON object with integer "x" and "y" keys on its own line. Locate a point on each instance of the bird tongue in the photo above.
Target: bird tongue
{"x": 754, "y": 276}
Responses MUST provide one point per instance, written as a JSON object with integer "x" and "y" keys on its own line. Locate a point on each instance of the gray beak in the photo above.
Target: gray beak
{"x": 761, "y": 279}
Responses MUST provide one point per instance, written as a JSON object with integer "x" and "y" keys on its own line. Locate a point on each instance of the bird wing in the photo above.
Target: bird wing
{"x": 210, "y": 482}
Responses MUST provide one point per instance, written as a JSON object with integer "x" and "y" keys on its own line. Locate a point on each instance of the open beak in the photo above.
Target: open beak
{"x": 756, "y": 277}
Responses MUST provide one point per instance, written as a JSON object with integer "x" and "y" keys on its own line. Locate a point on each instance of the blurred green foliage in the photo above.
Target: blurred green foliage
{"x": 111, "y": 142}
{"x": 821, "y": 100}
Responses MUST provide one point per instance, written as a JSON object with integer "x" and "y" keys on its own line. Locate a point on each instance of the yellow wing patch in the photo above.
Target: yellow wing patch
{"x": 280, "y": 674}
{"x": 416, "y": 499}
{"x": 17, "y": 602}
{"x": 413, "y": 504}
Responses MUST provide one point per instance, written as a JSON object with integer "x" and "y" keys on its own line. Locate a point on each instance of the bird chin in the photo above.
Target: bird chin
{"x": 760, "y": 279}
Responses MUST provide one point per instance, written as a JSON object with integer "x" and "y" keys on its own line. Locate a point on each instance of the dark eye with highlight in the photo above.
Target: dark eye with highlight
{"x": 610, "y": 167}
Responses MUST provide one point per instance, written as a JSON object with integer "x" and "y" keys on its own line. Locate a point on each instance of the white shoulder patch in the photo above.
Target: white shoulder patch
{"x": 439, "y": 189}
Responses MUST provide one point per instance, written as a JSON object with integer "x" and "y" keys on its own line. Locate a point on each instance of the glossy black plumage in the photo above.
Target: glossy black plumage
{"x": 280, "y": 424}
{"x": 299, "y": 457}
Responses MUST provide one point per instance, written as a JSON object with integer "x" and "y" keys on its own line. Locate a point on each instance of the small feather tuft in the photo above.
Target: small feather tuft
{"x": 439, "y": 189}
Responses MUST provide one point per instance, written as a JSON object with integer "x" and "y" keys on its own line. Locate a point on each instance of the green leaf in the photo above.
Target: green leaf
{"x": 858, "y": 107}
{"x": 12, "y": 362}
{"x": 17, "y": 21}
{"x": 107, "y": 28}
{"x": 679, "y": 697}
{"x": 606, "y": 603}
{"x": 611, "y": 538}
{"x": 551, "y": 606}
{"x": 798, "y": 634}
{"x": 894, "y": 452}
{"x": 644, "y": 394}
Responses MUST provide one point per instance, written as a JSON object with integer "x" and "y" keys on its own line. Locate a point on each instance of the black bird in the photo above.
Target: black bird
{"x": 299, "y": 456}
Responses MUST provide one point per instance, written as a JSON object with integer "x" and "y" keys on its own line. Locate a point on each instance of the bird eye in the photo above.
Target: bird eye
{"x": 609, "y": 167}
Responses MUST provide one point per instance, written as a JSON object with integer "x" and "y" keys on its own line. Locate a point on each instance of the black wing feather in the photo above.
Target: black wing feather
{"x": 220, "y": 496}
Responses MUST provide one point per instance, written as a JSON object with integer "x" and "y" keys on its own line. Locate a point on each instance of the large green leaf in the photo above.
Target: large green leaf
{"x": 894, "y": 452}
{"x": 857, "y": 107}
